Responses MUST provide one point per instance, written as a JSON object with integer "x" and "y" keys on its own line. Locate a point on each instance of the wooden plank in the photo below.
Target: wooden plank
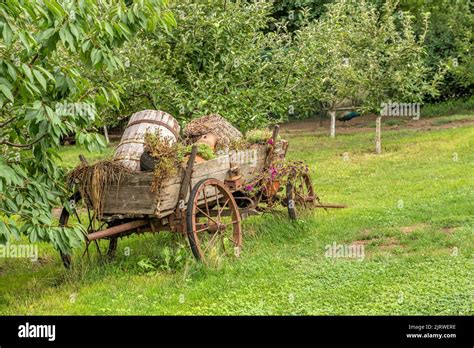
{"x": 134, "y": 196}
{"x": 168, "y": 197}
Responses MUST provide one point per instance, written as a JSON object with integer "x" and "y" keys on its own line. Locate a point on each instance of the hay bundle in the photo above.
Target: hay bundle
{"x": 214, "y": 124}
{"x": 93, "y": 181}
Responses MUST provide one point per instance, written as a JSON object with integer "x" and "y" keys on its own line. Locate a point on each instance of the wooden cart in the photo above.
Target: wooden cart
{"x": 205, "y": 201}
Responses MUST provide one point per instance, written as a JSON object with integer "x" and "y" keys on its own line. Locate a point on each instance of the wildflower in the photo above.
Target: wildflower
{"x": 249, "y": 187}
{"x": 273, "y": 172}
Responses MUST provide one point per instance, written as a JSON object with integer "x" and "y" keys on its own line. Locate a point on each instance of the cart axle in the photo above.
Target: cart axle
{"x": 117, "y": 229}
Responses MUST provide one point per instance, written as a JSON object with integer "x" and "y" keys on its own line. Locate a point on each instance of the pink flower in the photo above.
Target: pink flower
{"x": 270, "y": 141}
{"x": 273, "y": 172}
{"x": 249, "y": 187}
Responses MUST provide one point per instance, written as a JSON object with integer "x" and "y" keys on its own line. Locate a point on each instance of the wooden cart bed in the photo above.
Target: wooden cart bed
{"x": 133, "y": 196}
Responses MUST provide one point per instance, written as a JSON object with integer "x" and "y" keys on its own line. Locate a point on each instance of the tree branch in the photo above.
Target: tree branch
{"x": 22, "y": 146}
{"x": 3, "y": 124}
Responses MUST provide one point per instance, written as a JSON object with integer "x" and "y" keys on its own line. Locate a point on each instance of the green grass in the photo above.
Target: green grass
{"x": 411, "y": 207}
{"x": 393, "y": 122}
{"x": 70, "y": 154}
{"x": 439, "y": 121}
{"x": 449, "y": 107}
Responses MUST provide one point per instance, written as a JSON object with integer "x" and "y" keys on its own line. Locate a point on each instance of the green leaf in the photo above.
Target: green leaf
{"x": 45, "y": 35}
{"x": 9, "y": 175}
{"x": 24, "y": 41}
{"x": 70, "y": 40}
{"x": 6, "y": 91}
{"x": 12, "y": 71}
{"x": 74, "y": 31}
{"x": 109, "y": 29}
{"x": 40, "y": 79}
{"x": 47, "y": 73}
{"x": 11, "y": 205}
{"x": 28, "y": 73}
{"x": 95, "y": 56}
{"x": 86, "y": 45}
{"x": 7, "y": 34}
{"x": 125, "y": 29}
{"x": 55, "y": 8}
{"x": 32, "y": 89}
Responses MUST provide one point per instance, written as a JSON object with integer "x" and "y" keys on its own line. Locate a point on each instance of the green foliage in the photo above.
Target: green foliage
{"x": 48, "y": 51}
{"x": 356, "y": 51}
{"x": 171, "y": 259}
{"x": 205, "y": 151}
{"x": 448, "y": 42}
{"x": 258, "y": 136}
{"x": 216, "y": 60}
{"x": 293, "y": 11}
{"x": 169, "y": 156}
{"x": 449, "y": 107}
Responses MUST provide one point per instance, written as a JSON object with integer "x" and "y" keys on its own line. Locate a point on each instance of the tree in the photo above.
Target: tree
{"x": 394, "y": 68}
{"x": 384, "y": 59}
{"x": 47, "y": 50}
{"x": 328, "y": 55}
{"x": 218, "y": 59}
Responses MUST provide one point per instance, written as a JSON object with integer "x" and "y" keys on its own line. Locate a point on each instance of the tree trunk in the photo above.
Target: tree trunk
{"x": 378, "y": 133}
{"x": 106, "y": 134}
{"x": 333, "y": 122}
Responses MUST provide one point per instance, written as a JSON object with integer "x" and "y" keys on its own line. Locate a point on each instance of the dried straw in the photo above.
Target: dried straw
{"x": 93, "y": 181}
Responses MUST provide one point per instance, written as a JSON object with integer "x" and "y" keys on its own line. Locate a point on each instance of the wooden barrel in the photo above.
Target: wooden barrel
{"x": 131, "y": 145}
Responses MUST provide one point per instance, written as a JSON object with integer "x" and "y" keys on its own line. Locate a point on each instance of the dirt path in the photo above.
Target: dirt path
{"x": 364, "y": 124}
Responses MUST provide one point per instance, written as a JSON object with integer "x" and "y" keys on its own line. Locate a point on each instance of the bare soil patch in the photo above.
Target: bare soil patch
{"x": 410, "y": 229}
{"x": 449, "y": 230}
{"x": 363, "y": 124}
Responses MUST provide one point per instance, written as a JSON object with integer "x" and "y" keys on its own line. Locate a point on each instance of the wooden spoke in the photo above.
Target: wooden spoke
{"x": 208, "y": 216}
{"x": 205, "y": 200}
{"x": 220, "y": 211}
{"x": 211, "y": 242}
{"x": 202, "y": 229}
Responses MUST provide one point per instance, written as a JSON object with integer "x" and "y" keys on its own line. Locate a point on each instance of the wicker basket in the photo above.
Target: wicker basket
{"x": 213, "y": 124}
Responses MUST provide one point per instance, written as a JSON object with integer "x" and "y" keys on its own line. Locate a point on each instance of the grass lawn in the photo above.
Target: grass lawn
{"x": 411, "y": 208}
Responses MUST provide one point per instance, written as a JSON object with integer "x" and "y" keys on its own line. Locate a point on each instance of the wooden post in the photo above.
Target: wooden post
{"x": 276, "y": 130}
{"x": 333, "y": 122}
{"x": 184, "y": 188}
{"x": 271, "y": 147}
{"x": 378, "y": 132}
{"x": 180, "y": 213}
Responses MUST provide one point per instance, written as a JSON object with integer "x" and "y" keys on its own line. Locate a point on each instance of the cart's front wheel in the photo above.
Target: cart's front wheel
{"x": 79, "y": 214}
{"x": 299, "y": 194}
{"x": 213, "y": 222}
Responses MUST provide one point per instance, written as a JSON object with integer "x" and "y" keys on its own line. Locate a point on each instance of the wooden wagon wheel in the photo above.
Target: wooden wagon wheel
{"x": 299, "y": 194}
{"x": 86, "y": 218}
{"x": 213, "y": 225}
